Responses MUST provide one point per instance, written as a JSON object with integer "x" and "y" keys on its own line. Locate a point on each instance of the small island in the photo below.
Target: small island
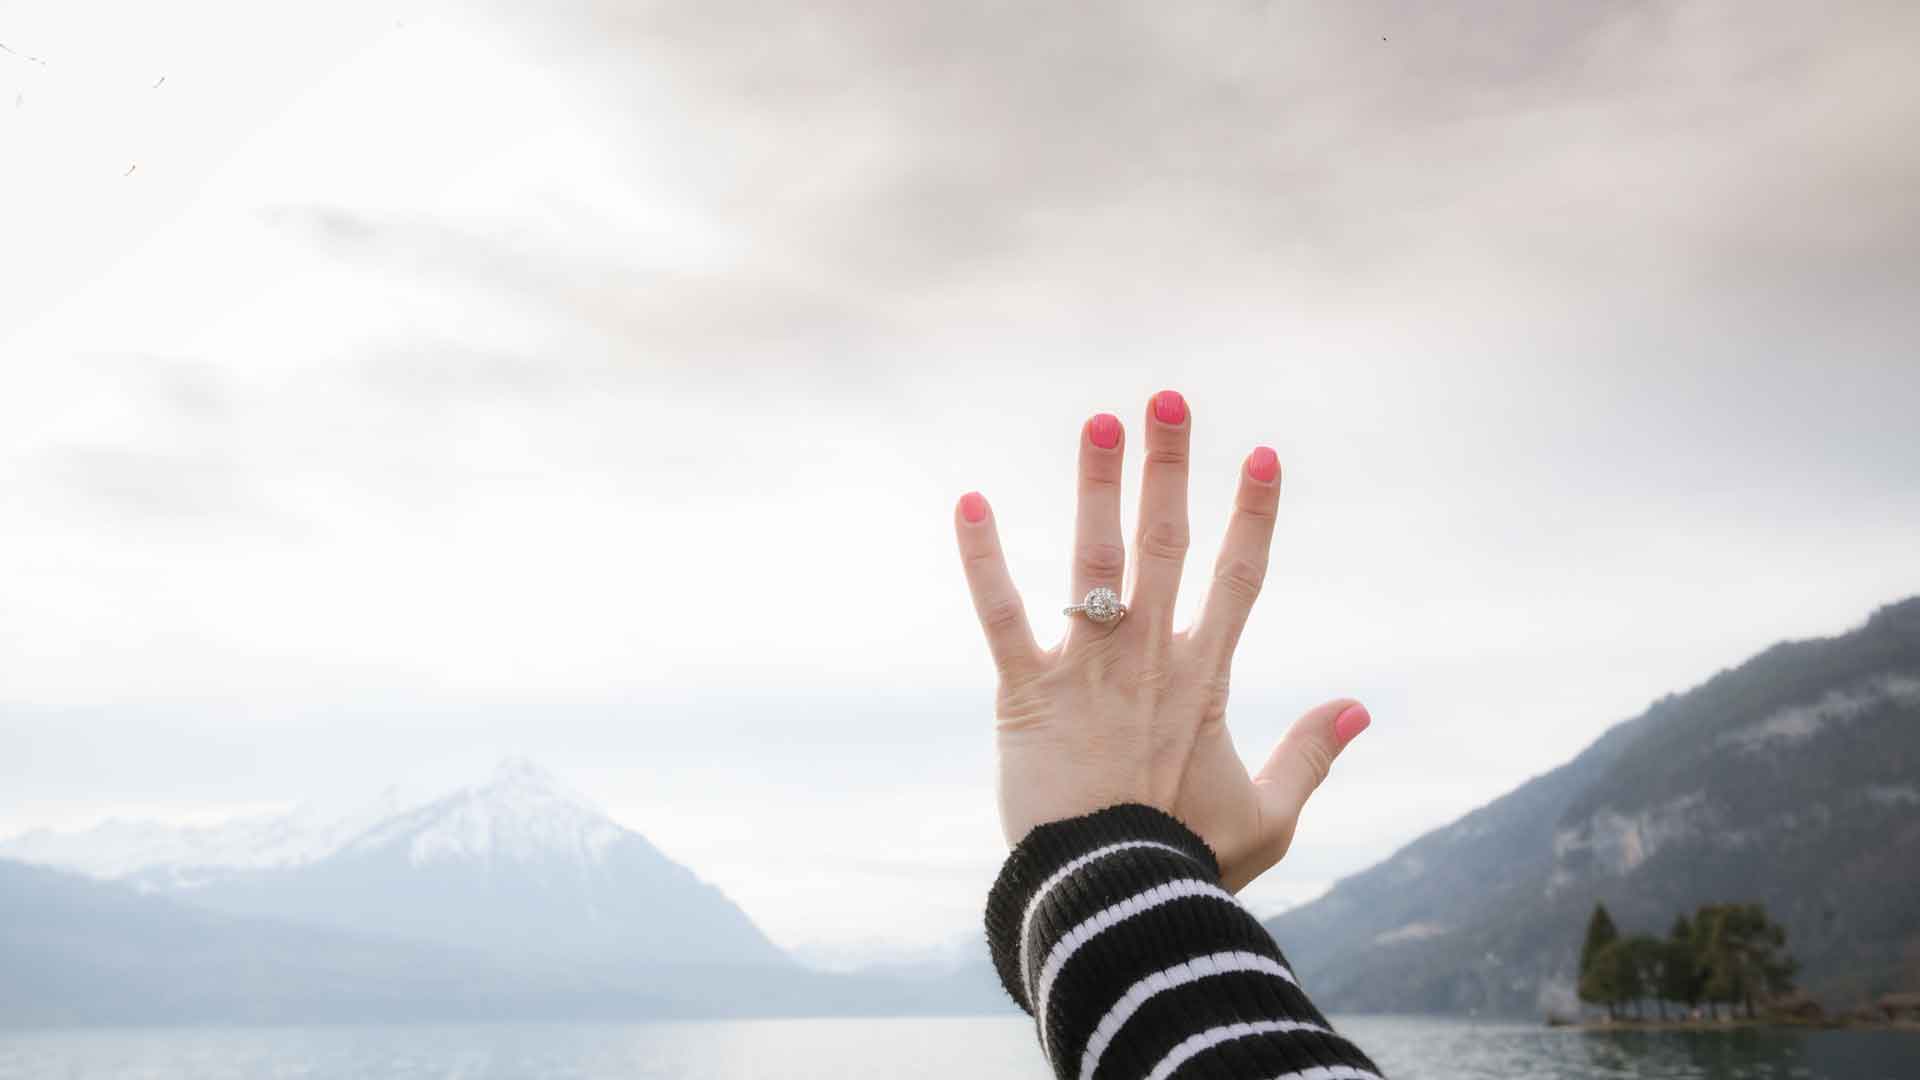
{"x": 1725, "y": 966}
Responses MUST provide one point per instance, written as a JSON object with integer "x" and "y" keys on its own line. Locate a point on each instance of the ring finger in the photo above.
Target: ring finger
{"x": 1099, "y": 549}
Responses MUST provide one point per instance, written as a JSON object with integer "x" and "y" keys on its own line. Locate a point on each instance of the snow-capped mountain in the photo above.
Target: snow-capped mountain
{"x": 516, "y": 866}
{"x": 118, "y": 848}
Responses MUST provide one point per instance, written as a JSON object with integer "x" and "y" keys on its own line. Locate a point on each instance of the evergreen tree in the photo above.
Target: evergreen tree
{"x": 1604, "y": 981}
{"x": 1721, "y": 977}
{"x": 1729, "y": 953}
{"x": 1600, "y": 934}
{"x": 1640, "y": 974}
{"x": 1755, "y": 948}
{"x": 1679, "y": 968}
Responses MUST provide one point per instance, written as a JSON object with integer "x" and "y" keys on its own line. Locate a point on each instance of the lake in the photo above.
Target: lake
{"x": 1409, "y": 1048}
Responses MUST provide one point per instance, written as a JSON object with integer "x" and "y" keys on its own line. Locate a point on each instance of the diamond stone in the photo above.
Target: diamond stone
{"x": 1103, "y": 605}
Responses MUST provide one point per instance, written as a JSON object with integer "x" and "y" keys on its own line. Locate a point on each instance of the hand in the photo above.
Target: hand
{"x": 1131, "y": 711}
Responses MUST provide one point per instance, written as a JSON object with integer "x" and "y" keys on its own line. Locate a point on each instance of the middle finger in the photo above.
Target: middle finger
{"x": 1161, "y": 545}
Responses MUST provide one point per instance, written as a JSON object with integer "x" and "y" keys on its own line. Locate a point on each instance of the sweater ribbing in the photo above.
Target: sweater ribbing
{"x": 1112, "y": 930}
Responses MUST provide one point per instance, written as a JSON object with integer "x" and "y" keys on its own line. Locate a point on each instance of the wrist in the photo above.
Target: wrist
{"x": 1114, "y": 841}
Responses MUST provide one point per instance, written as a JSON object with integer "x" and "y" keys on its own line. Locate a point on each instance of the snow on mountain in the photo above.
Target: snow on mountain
{"x": 522, "y": 814}
{"x": 516, "y": 864}
{"x": 521, "y": 810}
{"x": 118, "y": 848}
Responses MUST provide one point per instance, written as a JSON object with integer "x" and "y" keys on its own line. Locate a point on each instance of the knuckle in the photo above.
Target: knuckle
{"x": 1100, "y": 562}
{"x": 1165, "y": 540}
{"x": 1155, "y": 680}
{"x": 1240, "y": 577}
{"x": 1168, "y": 455}
{"x": 1002, "y": 613}
{"x": 1318, "y": 757}
{"x": 978, "y": 557}
{"x": 1257, "y": 509}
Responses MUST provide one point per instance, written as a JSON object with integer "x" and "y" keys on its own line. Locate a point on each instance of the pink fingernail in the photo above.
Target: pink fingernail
{"x": 1263, "y": 464}
{"x": 973, "y": 507}
{"x": 1351, "y": 722}
{"x": 1104, "y": 430}
{"x": 1169, "y": 407}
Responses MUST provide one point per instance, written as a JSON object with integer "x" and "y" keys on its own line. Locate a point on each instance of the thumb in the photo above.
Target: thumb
{"x": 1301, "y": 760}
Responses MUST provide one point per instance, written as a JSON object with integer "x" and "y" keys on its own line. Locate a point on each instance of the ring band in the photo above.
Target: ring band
{"x": 1102, "y": 605}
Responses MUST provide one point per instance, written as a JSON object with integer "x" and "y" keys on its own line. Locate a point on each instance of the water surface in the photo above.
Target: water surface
{"x": 1409, "y": 1048}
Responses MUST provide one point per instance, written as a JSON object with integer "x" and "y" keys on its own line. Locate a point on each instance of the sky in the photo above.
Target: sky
{"x": 388, "y": 388}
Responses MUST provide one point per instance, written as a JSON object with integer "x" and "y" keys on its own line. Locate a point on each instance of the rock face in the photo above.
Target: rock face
{"x": 1792, "y": 780}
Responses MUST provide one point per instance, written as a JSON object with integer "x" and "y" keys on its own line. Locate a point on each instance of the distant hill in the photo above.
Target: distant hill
{"x": 515, "y": 865}
{"x": 1792, "y": 780}
{"x": 78, "y": 951}
{"x": 511, "y": 899}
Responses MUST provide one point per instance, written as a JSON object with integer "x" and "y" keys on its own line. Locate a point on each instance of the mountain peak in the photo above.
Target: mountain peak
{"x": 523, "y": 771}
{"x": 521, "y": 812}
{"x": 521, "y": 787}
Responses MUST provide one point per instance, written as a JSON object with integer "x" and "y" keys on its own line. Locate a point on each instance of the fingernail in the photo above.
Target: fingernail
{"x": 973, "y": 507}
{"x": 1169, "y": 407}
{"x": 1104, "y": 430}
{"x": 1263, "y": 464}
{"x": 1351, "y": 722}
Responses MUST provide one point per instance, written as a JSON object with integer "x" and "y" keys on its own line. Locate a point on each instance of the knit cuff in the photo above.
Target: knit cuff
{"x": 1058, "y": 850}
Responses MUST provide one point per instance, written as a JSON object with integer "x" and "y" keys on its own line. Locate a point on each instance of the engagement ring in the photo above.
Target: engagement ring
{"x": 1102, "y": 605}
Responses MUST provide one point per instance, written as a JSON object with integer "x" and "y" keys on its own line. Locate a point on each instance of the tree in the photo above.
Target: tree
{"x": 1600, "y": 982}
{"x": 1640, "y": 975}
{"x": 1646, "y": 960}
{"x": 1599, "y": 985}
{"x": 1679, "y": 967}
{"x": 1614, "y": 979}
{"x": 1600, "y": 934}
{"x": 1715, "y": 959}
{"x": 1755, "y": 946}
{"x": 1727, "y": 952}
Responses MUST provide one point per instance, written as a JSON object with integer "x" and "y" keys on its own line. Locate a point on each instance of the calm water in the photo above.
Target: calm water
{"x": 988, "y": 1049}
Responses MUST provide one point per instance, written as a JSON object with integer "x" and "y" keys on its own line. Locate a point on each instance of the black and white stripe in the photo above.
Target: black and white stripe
{"x": 1113, "y": 931}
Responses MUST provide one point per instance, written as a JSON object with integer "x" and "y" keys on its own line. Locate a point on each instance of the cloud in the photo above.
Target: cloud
{"x": 917, "y": 146}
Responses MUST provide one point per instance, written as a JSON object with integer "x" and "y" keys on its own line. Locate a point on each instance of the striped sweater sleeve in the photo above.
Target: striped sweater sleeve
{"x": 1112, "y": 930}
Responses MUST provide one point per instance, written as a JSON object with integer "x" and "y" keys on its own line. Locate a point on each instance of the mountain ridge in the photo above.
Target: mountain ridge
{"x": 1805, "y": 753}
{"x": 77, "y": 951}
{"x": 516, "y": 862}
{"x": 513, "y": 898}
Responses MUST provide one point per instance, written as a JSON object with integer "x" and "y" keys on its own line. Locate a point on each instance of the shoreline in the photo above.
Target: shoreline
{"x": 1832, "y": 1023}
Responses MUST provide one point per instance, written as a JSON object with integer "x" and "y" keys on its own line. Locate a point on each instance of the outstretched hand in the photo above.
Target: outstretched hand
{"x": 1131, "y": 710}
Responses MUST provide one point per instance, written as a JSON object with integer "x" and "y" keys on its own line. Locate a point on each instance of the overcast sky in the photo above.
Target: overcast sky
{"x": 385, "y": 388}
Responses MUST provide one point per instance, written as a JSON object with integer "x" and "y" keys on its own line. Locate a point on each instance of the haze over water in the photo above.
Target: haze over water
{"x": 1408, "y": 1048}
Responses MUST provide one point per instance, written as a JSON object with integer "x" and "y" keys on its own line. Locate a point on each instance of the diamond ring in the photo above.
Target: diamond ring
{"x": 1102, "y": 605}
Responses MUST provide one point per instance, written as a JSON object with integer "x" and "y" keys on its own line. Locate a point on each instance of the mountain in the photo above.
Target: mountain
{"x": 1792, "y": 780}
{"x": 118, "y": 848}
{"x": 516, "y": 865}
{"x": 511, "y": 899}
{"x": 74, "y": 950}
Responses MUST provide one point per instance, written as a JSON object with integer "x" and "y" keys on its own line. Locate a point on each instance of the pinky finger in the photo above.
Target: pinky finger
{"x": 995, "y": 600}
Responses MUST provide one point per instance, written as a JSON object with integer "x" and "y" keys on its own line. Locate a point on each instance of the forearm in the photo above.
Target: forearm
{"x": 1113, "y": 931}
